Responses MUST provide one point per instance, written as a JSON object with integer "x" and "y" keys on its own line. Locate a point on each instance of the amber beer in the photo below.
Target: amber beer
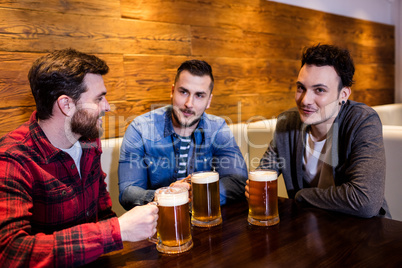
{"x": 206, "y": 209}
{"x": 173, "y": 228}
{"x": 263, "y": 198}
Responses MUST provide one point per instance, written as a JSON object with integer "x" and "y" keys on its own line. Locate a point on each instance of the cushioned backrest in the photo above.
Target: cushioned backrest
{"x": 390, "y": 114}
{"x": 259, "y": 135}
{"x": 110, "y": 164}
{"x": 240, "y": 133}
{"x": 393, "y": 180}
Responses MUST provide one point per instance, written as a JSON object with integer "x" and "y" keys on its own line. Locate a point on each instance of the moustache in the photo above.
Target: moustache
{"x": 187, "y": 111}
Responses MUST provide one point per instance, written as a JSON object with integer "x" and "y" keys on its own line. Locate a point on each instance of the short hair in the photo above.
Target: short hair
{"x": 329, "y": 55}
{"x": 197, "y": 68}
{"x": 61, "y": 73}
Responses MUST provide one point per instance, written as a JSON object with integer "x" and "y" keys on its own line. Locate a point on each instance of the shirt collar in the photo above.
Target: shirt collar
{"x": 46, "y": 148}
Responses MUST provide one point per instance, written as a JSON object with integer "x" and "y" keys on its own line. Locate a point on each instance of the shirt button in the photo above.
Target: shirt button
{"x": 87, "y": 213}
{"x": 73, "y": 166}
{"x": 64, "y": 193}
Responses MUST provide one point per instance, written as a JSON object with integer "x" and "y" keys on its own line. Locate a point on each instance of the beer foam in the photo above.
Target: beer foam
{"x": 263, "y": 175}
{"x": 171, "y": 196}
{"x": 205, "y": 177}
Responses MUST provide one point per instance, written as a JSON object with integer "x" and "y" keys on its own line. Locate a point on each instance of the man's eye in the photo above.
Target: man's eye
{"x": 200, "y": 96}
{"x": 320, "y": 90}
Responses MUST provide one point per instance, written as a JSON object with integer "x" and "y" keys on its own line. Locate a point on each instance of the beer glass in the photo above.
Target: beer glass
{"x": 173, "y": 227}
{"x": 206, "y": 209}
{"x": 263, "y": 198}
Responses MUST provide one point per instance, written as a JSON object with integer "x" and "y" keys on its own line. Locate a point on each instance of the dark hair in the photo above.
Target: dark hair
{"x": 198, "y": 68}
{"x": 61, "y": 73}
{"x": 328, "y": 55}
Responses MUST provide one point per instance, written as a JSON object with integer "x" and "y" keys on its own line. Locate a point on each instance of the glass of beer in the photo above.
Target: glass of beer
{"x": 173, "y": 228}
{"x": 206, "y": 207}
{"x": 263, "y": 198}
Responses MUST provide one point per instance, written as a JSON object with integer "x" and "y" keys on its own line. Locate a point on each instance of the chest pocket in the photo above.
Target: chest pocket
{"x": 203, "y": 160}
{"x": 55, "y": 207}
{"x": 159, "y": 170}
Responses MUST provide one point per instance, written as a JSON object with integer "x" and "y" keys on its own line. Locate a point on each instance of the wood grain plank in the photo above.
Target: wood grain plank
{"x": 37, "y": 31}
{"x": 14, "y": 85}
{"x": 19, "y": 115}
{"x": 374, "y": 76}
{"x": 150, "y": 77}
{"x": 228, "y": 42}
{"x": 108, "y": 8}
{"x": 263, "y": 17}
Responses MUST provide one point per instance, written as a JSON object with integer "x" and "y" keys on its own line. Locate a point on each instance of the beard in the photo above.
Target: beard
{"x": 85, "y": 124}
{"x": 183, "y": 124}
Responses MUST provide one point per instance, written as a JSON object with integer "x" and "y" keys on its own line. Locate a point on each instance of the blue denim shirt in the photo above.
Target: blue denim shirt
{"x": 150, "y": 150}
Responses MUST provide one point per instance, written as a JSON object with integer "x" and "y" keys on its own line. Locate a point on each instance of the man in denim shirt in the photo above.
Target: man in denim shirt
{"x": 167, "y": 144}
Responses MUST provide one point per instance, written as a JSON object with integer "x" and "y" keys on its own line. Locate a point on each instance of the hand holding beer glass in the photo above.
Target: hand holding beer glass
{"x": 206, "y": 207}
{"x": 263, "y": 198}
{"x": 173, "y": 227}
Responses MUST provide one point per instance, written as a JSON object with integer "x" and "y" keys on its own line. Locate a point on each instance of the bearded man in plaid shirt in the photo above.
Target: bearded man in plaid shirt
{"x": 54, "y": 206}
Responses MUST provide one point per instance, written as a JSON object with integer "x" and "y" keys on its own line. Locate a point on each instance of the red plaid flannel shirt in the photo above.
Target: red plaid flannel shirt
{"x": 49, "y": 216}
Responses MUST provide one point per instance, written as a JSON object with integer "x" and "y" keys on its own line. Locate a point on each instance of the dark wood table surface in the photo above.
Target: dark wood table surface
{"x": 305, "y": 237}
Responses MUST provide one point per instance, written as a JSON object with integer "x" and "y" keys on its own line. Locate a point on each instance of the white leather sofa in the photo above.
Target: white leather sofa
{"x": 391, "y": 118}
{"x": 254, "y": 138}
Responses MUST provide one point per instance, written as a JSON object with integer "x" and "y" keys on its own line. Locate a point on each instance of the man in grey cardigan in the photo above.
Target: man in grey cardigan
{"x": 329, "y": 149}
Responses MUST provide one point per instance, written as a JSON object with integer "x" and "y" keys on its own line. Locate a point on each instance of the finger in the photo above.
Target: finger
{"x": 153, "y": 203}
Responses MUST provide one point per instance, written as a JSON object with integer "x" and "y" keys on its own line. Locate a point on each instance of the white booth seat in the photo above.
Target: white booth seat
{"x": 110, "y": 163}
{"x": 390, "y": 114}
{"x": 391, "y": 118}
{"x": 393, "y": 173}
{"x": 259, "y": 136}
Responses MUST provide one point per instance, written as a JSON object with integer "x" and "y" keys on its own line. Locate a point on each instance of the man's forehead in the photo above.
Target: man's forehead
{"x": 318, "y": 74}
{"x": 194, "y": 83}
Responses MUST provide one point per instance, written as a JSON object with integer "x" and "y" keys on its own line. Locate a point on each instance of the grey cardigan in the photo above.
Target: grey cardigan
{"x": 357, "y": 160}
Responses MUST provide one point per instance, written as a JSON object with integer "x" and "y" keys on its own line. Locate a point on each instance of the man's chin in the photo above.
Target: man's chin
{"x": 189, "y": 123}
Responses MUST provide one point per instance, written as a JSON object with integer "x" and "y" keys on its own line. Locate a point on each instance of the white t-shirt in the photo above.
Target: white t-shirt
{"x": 317, "y": 172}
{"x": 75, "y": 152}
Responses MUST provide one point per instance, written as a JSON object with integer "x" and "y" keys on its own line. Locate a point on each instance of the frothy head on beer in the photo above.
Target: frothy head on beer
{"x": 263, "y": 175}
{"x": 204, "y": 177}
{"x": 171, "y": 196}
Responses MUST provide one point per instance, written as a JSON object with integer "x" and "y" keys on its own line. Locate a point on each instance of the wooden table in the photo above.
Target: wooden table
{"x": 305, "y": 237}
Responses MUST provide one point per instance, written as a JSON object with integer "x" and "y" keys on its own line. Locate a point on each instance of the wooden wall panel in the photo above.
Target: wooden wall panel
{"x": 108, "y": 8}
{"x": 28, "y": 30}
{"x": 253, "y": 46}
{"x": 14, "y": 84}
{"x": 261, "y": 16}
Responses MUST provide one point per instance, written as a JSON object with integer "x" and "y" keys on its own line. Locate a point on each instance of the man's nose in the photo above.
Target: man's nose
{"x": 189, "y": 102}
{"x": 307, "y": 98}
{"x": 106, "y": 107}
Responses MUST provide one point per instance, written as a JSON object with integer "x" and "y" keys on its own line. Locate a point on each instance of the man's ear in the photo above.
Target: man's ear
{"x": 209, "y": 101}
{"x": 345, "y": 93}
{"x": 65, "y": 104}
{"x": 171, "y": 93}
